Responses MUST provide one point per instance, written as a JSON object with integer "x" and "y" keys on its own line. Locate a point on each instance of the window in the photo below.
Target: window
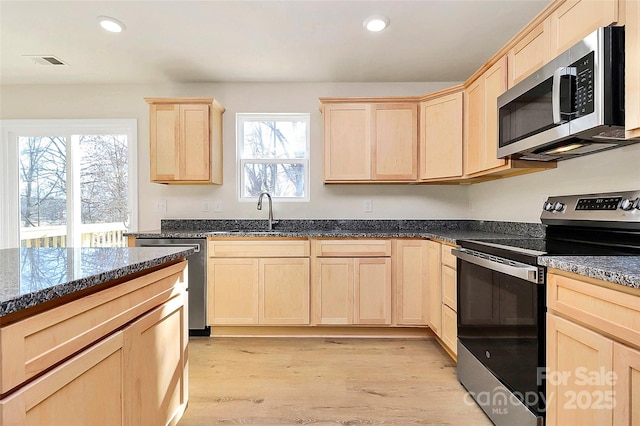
{"x": 273, "y": 153}
{"x": 71, "y": 182}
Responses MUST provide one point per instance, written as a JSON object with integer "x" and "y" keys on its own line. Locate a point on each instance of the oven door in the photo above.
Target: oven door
{"x": 501, "y": 323}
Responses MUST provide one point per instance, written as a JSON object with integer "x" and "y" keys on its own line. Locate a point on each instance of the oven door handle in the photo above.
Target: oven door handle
{"x": 509, "y": 267}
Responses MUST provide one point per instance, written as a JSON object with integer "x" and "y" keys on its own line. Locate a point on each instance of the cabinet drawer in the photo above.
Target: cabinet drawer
{"x": 448, "y": 258}
{"x": 609, "y": 311}
{"x": 352, "y": 248}
{"x": 449, "y": 296}
{"x": 34, "y": 344}
{"x": 267, "y": 248}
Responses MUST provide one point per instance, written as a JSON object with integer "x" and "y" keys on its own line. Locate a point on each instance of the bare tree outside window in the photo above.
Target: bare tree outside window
{"x": 100, "y": 197}
{"x": 103, "y": 178}
{"x": 274, "y": 155}
{"x": 43, "y": 182}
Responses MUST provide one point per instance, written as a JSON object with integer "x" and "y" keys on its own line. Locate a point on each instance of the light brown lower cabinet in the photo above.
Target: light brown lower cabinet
{"x": 434, "y": 279}
{"x": 442, "y": 286}
{"x": 352, "y": 291}
{"x": 135, "y": 375}
{"x": 258, "y": 282}
{"x": 410, "y": 266}
{"x": 593, "y": 353}
{"x": 351, "y": 282}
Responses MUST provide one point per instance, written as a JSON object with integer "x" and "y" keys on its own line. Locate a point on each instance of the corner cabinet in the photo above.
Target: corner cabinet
{"x": 370, "y": 140}
{"x": 593, "y": 352}
{"x": 185, "y": 140}
{"x": 440, "y": 132}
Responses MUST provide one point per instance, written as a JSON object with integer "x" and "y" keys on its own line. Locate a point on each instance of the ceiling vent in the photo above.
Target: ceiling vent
{"x": 44, "y": 59}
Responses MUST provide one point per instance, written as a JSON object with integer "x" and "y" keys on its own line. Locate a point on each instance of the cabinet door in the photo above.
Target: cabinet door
{"x": 156, "y": 381}
{"x": 333, "y": 291}
{"x": 474, "y": 136}
{"x": 410, "y": 282}
{"x": 232, "y": 296}
{"x": 575, "y": 19}
{"x": 195, "y": 145}
{"x": 284, "y": 291}
{"x": 626, "y": 364}
{"x": 347, "y": 142}
{"x": 495, "y": 84}
{"x": 529, "y": 54}
{"x": 372, "y": 291}
{"x": 450, "y": 329}
{"x": 449, "y": 286}
{"x": 395, "y": 142}
{"x": 164, "y": 142}
{"x": 92, "y": 381}
{"x": 632, "y": 69}
{"x": 434, "y": 283}
{"x": 441, "y": 125}
{"x": 574, "y": 354}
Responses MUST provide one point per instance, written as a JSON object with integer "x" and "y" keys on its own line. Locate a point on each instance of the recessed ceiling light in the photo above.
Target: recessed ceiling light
{"x": 110, "y": 24}
{"x": 376, "y": 23}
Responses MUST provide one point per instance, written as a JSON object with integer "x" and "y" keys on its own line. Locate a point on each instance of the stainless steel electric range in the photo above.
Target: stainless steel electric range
{"x": 502, "y": 298}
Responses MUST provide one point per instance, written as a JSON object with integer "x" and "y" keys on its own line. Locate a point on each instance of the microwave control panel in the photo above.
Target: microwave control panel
{"x": 583, "y": 91}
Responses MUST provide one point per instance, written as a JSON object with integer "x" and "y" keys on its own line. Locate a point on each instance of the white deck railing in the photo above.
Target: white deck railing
{"x": 92, "y": 235}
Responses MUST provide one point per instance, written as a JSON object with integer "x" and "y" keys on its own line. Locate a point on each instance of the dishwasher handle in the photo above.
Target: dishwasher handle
{"x": 196, "y": 247}
{"x": 509, "y": 267}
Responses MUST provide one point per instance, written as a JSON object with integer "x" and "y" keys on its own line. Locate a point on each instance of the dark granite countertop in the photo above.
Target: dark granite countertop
{"x": 624, "y": 270}
{"x": 30, "y": 276}
{"x": 445, "y": 230}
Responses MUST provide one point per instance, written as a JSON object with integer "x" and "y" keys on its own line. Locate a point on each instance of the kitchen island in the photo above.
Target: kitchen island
{"x": 102, "y": 328}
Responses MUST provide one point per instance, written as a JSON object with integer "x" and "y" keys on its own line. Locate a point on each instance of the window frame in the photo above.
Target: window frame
{"x": 13, "y": 129}
{"x": 241, "y": 118}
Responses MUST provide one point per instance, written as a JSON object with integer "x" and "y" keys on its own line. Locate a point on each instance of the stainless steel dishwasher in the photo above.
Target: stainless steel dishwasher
{"x": 197, "y": 285}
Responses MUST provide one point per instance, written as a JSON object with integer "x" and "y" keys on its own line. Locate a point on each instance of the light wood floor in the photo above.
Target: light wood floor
{"x": 284, "y": 381}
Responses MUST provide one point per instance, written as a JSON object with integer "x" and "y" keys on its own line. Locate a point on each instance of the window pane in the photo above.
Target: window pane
{"x": 43, "y": 191}
{"x": 103, "y": 189}
{"x": 274, "y": 139}
{"x": 280, "y": 180}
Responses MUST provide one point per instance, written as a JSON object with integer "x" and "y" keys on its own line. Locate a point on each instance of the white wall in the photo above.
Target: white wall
{"x": 327, "y": 201}
{"x": 520, "y": 198}
{"x": 512, "y": 199}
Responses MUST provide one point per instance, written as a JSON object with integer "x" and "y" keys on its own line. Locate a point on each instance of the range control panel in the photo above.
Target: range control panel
{"x": 623, "y": 207}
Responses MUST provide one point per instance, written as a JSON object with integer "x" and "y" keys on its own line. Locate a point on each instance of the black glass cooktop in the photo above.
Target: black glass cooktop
{"x": 527, "y": 250}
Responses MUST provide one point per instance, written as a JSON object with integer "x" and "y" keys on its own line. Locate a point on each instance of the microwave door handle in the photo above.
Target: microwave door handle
{"x": 555, "y": 96}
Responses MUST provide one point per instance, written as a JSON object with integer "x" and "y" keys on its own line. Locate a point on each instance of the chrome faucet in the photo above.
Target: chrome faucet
{"x": 271, "y": 221}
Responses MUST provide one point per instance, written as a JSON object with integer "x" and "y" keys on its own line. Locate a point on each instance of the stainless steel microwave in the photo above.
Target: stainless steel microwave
{"x": 572, "y": 106}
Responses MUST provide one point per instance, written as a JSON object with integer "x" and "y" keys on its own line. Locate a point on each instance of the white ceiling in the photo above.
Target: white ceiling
{"x": 184, "y": 41}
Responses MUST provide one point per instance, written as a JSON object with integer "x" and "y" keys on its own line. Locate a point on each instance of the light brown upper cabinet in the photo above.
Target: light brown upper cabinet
{"x": 529, "y": 54}
{"x": 441, "y": 136}
{"x": 372, "y": 140}
{"x": 481, "y": 120}
{"x": 574, "y": 19}
{"x": 185, "y": 140}
{"x": 632, "y": 71}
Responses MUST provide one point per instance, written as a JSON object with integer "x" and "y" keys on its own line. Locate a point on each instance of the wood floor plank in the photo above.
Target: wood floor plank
{"x": 320, "y": 381}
